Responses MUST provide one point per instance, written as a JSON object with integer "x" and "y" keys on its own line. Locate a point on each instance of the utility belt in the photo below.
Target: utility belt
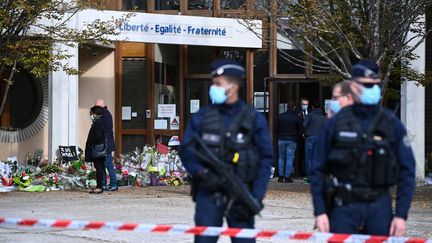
{"x": 340, "y": 193}
{"x": 347, "y": 194}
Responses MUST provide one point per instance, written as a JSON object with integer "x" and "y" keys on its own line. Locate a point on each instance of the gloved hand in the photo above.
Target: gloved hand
{"x": 240, "y": 212}
{"x": 208, "y": 180}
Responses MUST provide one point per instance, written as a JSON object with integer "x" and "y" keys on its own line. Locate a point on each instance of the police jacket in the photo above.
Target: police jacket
{"x": 323, "y": 160}
{"x": 260, "y": 141}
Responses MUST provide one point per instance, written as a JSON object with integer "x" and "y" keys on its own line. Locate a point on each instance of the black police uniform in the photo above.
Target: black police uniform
{"x": 362, "y": 151}
{"x": 238, "y": 135}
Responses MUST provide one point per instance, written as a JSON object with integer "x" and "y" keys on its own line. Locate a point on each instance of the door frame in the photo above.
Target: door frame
{"x": 273, "y": 89}
{"x": 148, "y": 132}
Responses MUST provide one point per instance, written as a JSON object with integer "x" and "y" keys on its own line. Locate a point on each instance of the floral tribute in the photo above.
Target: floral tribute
{"x": 142, "y": 167}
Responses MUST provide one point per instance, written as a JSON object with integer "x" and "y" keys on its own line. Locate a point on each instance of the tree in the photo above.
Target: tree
{"x": 29, "y": 30}
{"x": 334, "y": 34}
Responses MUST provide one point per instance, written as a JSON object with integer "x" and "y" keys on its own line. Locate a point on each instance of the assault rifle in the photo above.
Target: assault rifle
{"x": 230, "y": 183}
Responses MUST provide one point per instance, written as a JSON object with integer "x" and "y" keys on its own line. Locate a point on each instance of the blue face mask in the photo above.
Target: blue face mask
{"x": 217, "y": 94}
{"x": 335, "y": 106}
{"x": 371, "y": 96}
{"x": 304, "y": 107}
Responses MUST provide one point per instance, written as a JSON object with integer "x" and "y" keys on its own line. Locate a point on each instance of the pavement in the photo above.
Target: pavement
{"x": 287, "y": 207}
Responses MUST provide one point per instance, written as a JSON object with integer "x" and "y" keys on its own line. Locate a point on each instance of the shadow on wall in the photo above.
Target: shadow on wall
{"x": 39, "y": 141}
{"x": 91, "y": 56}
{"x": 97, "y": 80}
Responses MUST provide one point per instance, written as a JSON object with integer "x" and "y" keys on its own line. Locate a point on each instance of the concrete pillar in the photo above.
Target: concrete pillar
{"x": 413, "y": 110}
{"x": 63, "y": 105}
{"x": 63, "y": 100}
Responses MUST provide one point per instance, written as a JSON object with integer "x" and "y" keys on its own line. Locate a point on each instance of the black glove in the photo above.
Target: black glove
{"x": 208, "y": 180}
{"x": 241, "y": 212}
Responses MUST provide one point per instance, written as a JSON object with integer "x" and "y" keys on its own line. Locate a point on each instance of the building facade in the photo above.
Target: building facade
{"x": 154, "y": 85}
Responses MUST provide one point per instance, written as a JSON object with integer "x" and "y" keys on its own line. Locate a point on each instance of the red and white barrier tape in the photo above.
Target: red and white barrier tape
{"x": 202, "y": 231}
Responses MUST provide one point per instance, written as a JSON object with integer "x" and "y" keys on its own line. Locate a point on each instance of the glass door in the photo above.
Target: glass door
{"x": 134, "y": 104}
{"x": 196, "y": 95}
{"x": 166, "y": 93}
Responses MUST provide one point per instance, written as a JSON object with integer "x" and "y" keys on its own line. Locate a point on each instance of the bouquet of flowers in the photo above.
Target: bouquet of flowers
{"x": 22, "y": 180}
{"x": 6, "y": 174}
{"x": 53, "y": 181}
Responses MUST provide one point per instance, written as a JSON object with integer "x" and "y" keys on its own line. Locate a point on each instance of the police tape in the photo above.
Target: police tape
{"x": 202, "y": 231}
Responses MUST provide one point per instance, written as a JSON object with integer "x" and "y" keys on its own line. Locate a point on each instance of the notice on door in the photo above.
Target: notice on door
{"x": 126, "y": 113}
{"x": 166, "y": 110}
{"x": 160, "y": 124}
{"x": 194, "y": 106}
{"x": 174, "y": 123}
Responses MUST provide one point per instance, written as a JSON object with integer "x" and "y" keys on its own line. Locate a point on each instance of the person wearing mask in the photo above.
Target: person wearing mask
{"x": 312, "y": 125}
{"x": 238, "y": 135}
{"x": 362, "y": 152}
{"x": 107, "y": 121}
{"x": 303, "y": 111}
{"x": 342, "y": 96}
{"x": 304, "y": 108}
{"x": 96, "y": 136}
{"x": 289, "y": 130}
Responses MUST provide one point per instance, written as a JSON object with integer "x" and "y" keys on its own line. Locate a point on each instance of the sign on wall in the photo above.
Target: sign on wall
{"x": 181, "y": 30}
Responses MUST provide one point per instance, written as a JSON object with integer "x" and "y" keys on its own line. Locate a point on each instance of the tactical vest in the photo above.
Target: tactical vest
{"x": 233, "y": 144}
{"x": 364, "y": 158}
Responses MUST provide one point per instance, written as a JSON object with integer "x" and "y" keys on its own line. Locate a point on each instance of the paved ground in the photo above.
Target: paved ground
{"x": 288, "y": 207}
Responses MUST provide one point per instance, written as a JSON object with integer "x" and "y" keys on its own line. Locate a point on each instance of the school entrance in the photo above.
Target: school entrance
{"x": 292, "y": 90}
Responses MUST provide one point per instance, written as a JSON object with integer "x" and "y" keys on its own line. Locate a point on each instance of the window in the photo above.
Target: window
{"x": 262, "y": 5}
{"x": 237, "y": 54}
{"x": 24, "y": 101}
{"x": 199, "y": 59}
{"x": 290, "y": 57}
{"x": 261, "y": 70}
{"x": 166, "y": 75}
{"x": 200, "y": 5}
{"x": 166, "y": 91}
{"x": 135, "y": 5}
{"x": 167, "y": 5}
{"x": 26, "y": 108}
{"x": 233, "y": 4}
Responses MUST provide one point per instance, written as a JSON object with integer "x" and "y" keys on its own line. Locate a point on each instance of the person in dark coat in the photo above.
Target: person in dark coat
{"x": 289, "y": 130}
{"x": 96, "y": 136}
{"x": 304, "y": 108}
{"x": 312, "y": 125}
{"x": 107, "y": 121}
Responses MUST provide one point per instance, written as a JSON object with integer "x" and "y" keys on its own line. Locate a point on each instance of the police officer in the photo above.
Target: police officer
{"x": 228, "y": 127}
{"x": 361, "y": 152}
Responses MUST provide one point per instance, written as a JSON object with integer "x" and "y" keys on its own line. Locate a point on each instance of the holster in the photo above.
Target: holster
{"x": 194, "y": 185}
{"x": 329, "y": 196}
{"x": 359, "y": 194}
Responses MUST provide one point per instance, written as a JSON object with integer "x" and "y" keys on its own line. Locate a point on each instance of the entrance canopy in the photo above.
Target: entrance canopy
{"x": 180, "y": 30}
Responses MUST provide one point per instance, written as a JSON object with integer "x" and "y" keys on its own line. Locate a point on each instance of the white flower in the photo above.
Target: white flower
{"x": 26, "y": 177}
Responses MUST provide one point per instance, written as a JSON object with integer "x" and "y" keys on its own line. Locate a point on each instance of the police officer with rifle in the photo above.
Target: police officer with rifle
{"x": 360, "y": 154}
{"x": 228, "y": 151}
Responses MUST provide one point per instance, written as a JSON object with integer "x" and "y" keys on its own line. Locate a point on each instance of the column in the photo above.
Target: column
{"x": 413, "y": 111}
{"x": 63, "y": 105}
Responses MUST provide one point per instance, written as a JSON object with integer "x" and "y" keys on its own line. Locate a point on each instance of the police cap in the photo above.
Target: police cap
{"x": 365, "y": 69}
{"x": 227, "y": 67}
